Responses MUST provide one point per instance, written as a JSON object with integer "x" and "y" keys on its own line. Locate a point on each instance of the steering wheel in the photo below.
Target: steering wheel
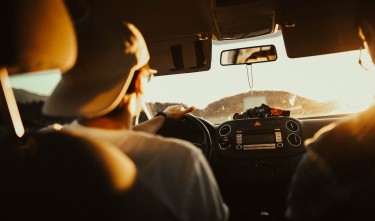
{"x": 189, "y": 128}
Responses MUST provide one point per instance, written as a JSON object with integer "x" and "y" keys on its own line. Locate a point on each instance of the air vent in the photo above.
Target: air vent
{"x": 225, "y": 130}
{"x": 294, "y": 139}
{"x": 292, "y": 126}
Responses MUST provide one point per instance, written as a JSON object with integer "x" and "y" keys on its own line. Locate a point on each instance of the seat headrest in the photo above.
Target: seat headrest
{"x": 36, "y": 35}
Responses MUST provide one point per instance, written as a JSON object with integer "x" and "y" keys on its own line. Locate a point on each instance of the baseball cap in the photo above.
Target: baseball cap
{"x": 109, "y": 52}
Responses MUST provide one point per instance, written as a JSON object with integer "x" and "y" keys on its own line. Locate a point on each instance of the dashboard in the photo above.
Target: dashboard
{"x": 254, "y": 160}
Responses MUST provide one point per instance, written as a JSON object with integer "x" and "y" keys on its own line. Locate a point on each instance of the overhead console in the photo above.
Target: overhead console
{"x": 240, "y": 19}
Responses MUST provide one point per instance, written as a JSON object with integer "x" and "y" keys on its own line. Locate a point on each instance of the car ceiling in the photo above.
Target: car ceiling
{"x": 179, "y": 32}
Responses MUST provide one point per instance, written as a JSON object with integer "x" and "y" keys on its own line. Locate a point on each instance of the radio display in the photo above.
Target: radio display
{"x": 258, "y": 138}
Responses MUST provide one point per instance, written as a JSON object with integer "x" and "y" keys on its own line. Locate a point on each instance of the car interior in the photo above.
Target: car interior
{"x": 252, "y": 136}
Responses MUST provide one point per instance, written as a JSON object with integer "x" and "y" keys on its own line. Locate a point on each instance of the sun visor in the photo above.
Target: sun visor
{"x": 320, "y": 28}
{"x": 181, "y": 55}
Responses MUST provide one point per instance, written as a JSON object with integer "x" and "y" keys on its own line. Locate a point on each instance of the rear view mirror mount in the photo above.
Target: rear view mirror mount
{"x": 249, "y": 55}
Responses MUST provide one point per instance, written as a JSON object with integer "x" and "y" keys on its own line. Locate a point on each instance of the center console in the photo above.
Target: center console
{"x": 253, "y": 161}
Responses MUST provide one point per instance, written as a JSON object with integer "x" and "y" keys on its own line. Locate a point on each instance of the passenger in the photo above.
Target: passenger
{"x": 104, "y": 91}
{"x": 335, "y": 179}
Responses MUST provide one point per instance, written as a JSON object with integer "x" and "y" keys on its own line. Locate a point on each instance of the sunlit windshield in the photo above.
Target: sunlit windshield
{"x": 308, "y": 87}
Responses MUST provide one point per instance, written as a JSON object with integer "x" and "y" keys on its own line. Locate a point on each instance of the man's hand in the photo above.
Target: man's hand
{"x": 154, "y": 124}
{"x": 177, "y": 111}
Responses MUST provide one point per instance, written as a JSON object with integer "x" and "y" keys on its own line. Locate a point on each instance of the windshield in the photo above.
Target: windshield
{"x": 308, "y": 87}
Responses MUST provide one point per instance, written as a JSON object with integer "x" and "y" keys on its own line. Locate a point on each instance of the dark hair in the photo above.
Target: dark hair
{"x": 131, "y": 88}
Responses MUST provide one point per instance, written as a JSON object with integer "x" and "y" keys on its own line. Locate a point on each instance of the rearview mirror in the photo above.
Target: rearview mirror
{"x": 249, "y": 55}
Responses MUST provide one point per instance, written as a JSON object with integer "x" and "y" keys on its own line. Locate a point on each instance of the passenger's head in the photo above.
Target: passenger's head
{"x": 111, "y": 55}
{"x": 367, "y": 25}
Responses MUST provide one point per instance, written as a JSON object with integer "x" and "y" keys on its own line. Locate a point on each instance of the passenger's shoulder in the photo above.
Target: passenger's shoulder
{"x": 348, "y": 144}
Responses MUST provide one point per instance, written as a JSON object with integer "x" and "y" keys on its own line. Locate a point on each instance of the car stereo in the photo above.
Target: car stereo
{"x": 272, "y": 134}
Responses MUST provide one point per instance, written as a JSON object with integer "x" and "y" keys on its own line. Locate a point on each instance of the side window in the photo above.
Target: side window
{"x": 31, "y": 91}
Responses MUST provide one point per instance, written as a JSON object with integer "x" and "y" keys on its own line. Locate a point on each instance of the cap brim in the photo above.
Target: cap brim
{"x": 89, "y": 100}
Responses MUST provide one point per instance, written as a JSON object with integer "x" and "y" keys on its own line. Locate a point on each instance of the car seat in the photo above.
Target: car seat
{"x": 51, "y": 174}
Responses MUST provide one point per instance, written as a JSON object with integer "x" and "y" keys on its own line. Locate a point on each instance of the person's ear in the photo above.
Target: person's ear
{"x": 138, "y": 86}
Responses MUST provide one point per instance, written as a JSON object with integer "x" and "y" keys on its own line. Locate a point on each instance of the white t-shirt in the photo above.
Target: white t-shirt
{"x": 174, "y": 170}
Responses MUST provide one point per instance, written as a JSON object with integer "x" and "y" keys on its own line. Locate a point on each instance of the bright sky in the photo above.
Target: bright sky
{"x": 321, "y": 78}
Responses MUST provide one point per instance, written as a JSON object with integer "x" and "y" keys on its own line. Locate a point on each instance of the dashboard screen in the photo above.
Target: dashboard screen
{"x": 258, "y": 138}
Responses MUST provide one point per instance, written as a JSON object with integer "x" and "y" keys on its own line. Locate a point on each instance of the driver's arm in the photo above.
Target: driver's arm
{"x": 154, "y": 124}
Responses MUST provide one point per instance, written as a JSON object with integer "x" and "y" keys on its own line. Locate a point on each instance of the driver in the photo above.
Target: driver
{"x": 104, "y": 91}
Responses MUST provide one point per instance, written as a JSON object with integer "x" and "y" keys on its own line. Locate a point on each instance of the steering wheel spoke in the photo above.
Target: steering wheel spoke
{"x": 189, "y": 128}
